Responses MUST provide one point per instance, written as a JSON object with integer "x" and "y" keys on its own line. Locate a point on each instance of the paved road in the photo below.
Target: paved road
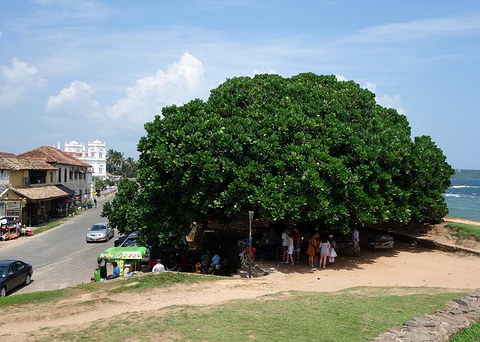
{"x": 60, "y": 257}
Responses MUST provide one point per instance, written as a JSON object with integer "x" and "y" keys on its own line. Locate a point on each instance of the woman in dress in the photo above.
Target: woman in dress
{"x": 290, "y": 247}
{"x": 312, "y": 249}
{"x": 324, "y": 249}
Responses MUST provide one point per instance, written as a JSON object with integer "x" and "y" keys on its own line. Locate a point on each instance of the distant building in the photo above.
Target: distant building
{"x": 94, "y": 154}
{"x": 42, "y": 183}
{"x": 73, "y": 173}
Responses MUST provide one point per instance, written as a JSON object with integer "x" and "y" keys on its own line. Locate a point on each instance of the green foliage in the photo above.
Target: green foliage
{"x": 48, "y": 297}
{"x": 305, "y": 148}
{"x": 428, "y": 176}
{"x": 121, "y": 212}
{"x": 118, "y": 165}
{"x": 161, "y": 279}
{"x": 72, "y": 210}
{"x": 466, "y": 174}
{"x": 469, "y": 334}
{"x": 101, "y": 184}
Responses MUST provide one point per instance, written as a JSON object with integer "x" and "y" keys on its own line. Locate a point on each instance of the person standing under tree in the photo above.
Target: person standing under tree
{"x": 356, "y": 242}
{"x": 285, "y": 246}
{"x": 312, "y": 249}
{"x": 297, "y": 242}
{"x": 290, "y": 248}
{"x": 324, "y": 250}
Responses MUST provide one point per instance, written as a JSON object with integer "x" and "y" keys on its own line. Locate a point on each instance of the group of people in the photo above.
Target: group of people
{"x": 207, "y": 263}
{"x": 320, "y": 248}
{"x": 127, "y": 271}
{"x": 291, "y": 245}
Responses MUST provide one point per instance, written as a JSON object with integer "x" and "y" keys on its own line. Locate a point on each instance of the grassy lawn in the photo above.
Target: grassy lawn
{"x": 468, "y": 334}
{"x": 464, "y": 231}
{"x": 133, "y": 285}
{"x": 356, "y": 314}
{"x": 50, "y": 225}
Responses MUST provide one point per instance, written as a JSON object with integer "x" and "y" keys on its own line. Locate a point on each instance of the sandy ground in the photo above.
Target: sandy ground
{"x": 405, "y": 265}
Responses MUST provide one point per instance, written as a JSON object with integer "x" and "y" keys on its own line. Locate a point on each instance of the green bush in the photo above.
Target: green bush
{"x": 468, "y": 334}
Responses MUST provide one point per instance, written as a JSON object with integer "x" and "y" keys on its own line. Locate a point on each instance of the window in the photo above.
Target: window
{"x": 65, "y": 176}
{"x": 71, "y": 174}
{"x": 37, "y": 176}
{"x": 100, "y": 155}
{"x": 59, "y": 174}
{"x": 100, "y": 169}
{"x": 51, "y": 177}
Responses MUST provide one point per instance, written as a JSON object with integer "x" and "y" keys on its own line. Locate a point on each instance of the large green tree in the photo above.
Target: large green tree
{"x": 115, "y": 161}
{"x": 305, "y": 148}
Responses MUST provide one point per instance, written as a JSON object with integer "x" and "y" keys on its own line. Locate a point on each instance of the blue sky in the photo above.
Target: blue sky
{"x": 86, "y": 70}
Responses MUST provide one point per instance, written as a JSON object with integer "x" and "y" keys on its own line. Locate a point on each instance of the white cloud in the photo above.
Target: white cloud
{"x": 74, "y": 9}
{"x": 260, "y": 72}
{"x": 370, "y": 86}
{"x": 391, "y": 102}
{"x": 18, "y": 83}
{"x": 341, "y": 78}
{"x": 145, "y": 99}
{"x": 420, "y": 29}
{"x": 75, "y": 100}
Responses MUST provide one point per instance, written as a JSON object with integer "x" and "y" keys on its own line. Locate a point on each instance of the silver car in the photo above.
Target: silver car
{"x": 100, "y": 232}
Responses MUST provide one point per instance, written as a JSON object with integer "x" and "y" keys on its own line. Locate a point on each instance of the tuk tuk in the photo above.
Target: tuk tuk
{"x": 123, "y": 256}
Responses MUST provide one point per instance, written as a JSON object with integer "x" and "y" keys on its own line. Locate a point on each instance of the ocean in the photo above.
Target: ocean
{"x": 463, "y": 199}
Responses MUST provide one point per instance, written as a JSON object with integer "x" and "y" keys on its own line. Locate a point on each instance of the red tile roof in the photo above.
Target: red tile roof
{"x": 17, "y": 164}
{"x": 53, "y": 155}
{"x": 41, "y": 192}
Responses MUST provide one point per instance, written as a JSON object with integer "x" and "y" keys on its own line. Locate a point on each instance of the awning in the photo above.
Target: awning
{"x": 69, "y": 191}
{"x": 40, "y": 193}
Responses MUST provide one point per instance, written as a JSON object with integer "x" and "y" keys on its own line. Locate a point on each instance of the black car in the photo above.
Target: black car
{"x": 14, "y": 273}
{"x": 132, "y": 239}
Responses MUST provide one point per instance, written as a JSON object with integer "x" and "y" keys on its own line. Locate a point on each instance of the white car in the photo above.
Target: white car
{"x": 100, "y": 232}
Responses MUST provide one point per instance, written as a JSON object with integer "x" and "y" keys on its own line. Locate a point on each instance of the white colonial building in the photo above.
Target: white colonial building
{"x": 94, "y": 154}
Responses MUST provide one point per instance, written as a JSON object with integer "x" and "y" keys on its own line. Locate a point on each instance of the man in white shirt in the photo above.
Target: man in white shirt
{"x": 158, "y": 267}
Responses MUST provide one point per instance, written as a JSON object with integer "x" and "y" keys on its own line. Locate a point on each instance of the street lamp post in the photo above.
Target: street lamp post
{"x": 250, "y": 218}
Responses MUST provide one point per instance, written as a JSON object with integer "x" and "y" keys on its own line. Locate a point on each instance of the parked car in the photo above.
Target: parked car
{"x": 130, "y": 240}
{"x": 14, "y": 273}
{"x": 100, "y": 232}
{"x": 118, "y": 241}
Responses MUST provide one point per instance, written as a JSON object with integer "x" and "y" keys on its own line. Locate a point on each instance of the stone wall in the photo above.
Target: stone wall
{"x": 442, "y": 326}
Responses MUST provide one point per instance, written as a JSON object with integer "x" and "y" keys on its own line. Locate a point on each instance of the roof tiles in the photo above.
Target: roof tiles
{"x": 53, "y": 155}
{"x": 17, "y": 164}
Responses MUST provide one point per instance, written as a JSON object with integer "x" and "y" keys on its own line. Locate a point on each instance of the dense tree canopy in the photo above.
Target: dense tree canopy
{"x": 118, "y": 165}
{"x": 305, "y": 148}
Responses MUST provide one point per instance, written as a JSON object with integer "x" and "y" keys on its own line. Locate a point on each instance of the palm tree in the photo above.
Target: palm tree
{"x": 114, "y": 161}
{"x": 129, "y": 167}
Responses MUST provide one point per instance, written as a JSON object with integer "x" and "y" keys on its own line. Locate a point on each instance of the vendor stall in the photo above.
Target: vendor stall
{"x": 9, "y": 230}
{"x": 380, "y": 241}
